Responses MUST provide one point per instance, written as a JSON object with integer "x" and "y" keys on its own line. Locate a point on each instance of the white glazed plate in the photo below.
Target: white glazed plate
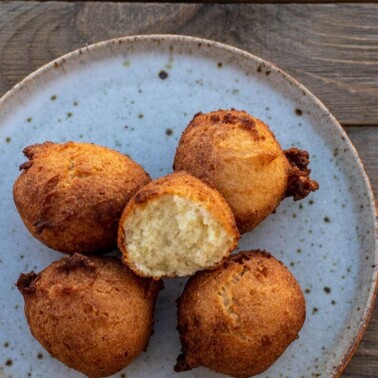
{"x": 136, "y": 95}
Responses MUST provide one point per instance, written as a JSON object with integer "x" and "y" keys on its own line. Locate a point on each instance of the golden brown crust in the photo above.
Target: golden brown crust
{"x": 184, "y": 185}
{"x": 240, "y": 156}
{"x": 239, "y": 318}
{"x": 70, "y": 196}
{"x": 91, "y": 313}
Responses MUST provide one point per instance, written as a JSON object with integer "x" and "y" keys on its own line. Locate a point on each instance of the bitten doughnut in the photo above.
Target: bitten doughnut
{"x": 175, "y": 226}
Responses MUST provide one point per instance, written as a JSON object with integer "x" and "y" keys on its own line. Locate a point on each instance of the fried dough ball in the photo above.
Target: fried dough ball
{"x": 240, "y": 156}
{"x": 70, "y": 196}
{"x": 91, "y": 313}
{"x": 175, "y": 226}
{"x": 239, "y": 318}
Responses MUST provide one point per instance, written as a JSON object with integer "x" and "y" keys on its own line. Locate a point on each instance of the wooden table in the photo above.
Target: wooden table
{"x": 332, "y": 48}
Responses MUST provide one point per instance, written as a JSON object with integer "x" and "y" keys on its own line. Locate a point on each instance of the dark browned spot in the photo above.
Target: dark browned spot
{"x": 182, "y": 364}
{"x": 163, "y": 75}
{"x": 267, "y": 73}
{"x": 69, "y": 115}
{"x": 142, "y": 196}
{"x": 236, "y": 119}
{"x": 259, "y": 68}
{"x": 29, "y": 119}
{"x": 333, "y": 302}
{"x": 307, "y": 291}
{"x": 26, "y": 282}
{"x": 214, "y": 118}
{"x": 76, "y": 261}
{"x": 53, "y": 97}
{"x": 8, "y": 362}
{"x": 8, "y": 139}
{"x": 40, "y": 356}
{"x": 39, "y": 225}
{"x": 26, "y": 165}
{"x": 327, "y": 290}
{"x": 6, "y": 344}
{"x": 220, "y": 65}
{"x": 140, "y": 116}
{"x": 75, "y": 103}
{"x": 315, "y": 310}
{"x": 300, "y": 184}
{"x": 169, "y": 132}
{"x": 196, "y": 115}
{"x": 326, "y": 219}
{"x": 298, "y": 112}
{"x": 266, "y": 341}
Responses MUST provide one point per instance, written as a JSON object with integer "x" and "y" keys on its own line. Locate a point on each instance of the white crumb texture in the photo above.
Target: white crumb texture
{"x": 174, "y": 236}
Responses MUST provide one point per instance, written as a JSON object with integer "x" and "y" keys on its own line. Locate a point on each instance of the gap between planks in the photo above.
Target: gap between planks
{"x": 331, "y": 48}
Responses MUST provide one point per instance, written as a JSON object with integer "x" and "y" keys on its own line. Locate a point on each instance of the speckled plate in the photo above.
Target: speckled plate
{"x": 136, "y": 95}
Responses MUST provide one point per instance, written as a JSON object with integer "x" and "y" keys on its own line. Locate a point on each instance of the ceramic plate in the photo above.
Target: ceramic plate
{"x": 136, "y": 95}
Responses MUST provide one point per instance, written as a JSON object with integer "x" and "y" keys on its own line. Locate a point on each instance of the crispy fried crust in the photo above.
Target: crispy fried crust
{"x": 300, "y": 184}
{"x": 241, "y": 157}
{"x": 91, "y": 313}
{"x": 70, "y": 196}
{"x": 239, "y": 318}
{"x": 184, "y": 185}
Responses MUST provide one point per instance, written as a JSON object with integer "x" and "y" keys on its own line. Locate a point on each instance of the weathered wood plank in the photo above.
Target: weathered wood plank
{"x": 235, "y": 1}
{"x": 331, "y": 48}
{"x": 365, "y": 139}
{"x": 365, "y": 362}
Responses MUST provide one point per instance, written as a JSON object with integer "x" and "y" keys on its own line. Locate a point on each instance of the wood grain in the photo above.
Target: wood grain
{"x": 365, "y": 139}
{"x": 235, "y": 1}
{"x": 331, "y": 48}
{"x": 364, "y": 363}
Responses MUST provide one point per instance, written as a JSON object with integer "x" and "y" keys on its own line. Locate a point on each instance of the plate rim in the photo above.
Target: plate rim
{"x": 175, "y": 38}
